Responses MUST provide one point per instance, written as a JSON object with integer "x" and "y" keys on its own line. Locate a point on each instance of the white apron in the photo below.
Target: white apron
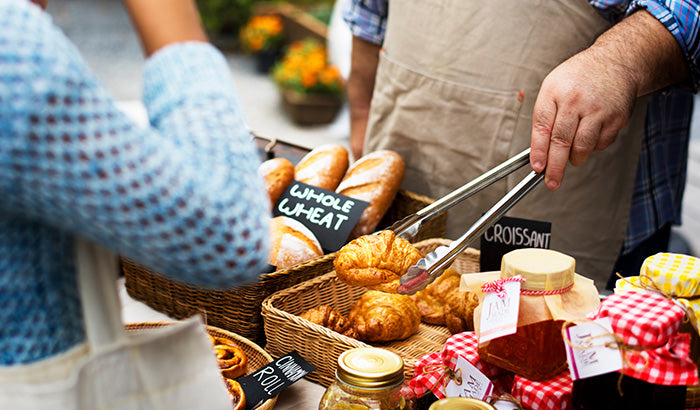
{"x": 456, "y": 85}
{"x": 169, "y": 368}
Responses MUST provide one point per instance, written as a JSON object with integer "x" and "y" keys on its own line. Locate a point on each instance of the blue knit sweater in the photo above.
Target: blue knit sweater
{"x": 182, "y": 196}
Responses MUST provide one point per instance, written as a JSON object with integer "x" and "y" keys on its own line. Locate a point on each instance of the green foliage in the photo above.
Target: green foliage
{"x": 224, "y": 16}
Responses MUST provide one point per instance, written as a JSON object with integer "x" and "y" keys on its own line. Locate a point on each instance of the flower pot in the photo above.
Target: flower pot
{"x": 266, "y": 59}
{"x": 311, "y": 109}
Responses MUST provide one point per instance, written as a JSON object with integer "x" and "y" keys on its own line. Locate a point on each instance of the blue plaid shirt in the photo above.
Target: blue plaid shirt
{"x": 661, "y": 173}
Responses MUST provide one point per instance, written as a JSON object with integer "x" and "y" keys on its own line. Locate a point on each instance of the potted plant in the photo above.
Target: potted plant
{"x": 312, "y": 90}
{"x": 262, "y": 36}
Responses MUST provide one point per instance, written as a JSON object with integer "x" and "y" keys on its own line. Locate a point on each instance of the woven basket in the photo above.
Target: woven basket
{"x": 257, "y": 357}
{"x": 286, "y": 331}
{"x": 238, "y": 310}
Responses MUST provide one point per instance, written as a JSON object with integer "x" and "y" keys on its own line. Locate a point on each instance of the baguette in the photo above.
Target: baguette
{"x": 323, "y": 167}
{"x": 374, "y": 178}
{"x": 277, "y": 174}
{"x": 292, "y": 243}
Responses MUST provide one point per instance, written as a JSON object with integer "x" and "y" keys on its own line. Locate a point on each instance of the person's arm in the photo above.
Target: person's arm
{"x": 163, "y": 22}
{"x": 363, "y": 68}
{"x": 181, "y": 196}
{"x": 367, "y": 22}
{"x": 584, "y": 102}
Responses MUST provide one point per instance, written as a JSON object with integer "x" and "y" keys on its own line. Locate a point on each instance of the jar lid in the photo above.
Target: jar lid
{"x": 542, "y": 269}
{"x": 370, "y": 367}
{"x": 463, "y": 403}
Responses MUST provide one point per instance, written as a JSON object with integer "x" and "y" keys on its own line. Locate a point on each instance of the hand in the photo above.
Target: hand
{"x": 581, "y": 106}
{"x": 588, "y": 99}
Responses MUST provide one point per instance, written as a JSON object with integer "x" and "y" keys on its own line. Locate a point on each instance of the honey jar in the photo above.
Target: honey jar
{"x": 368, "y": 378}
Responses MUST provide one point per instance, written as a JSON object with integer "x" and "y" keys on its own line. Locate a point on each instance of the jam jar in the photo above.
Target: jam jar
{"x": 368, "y": 378}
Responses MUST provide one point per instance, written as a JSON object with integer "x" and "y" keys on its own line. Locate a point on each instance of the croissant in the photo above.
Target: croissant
{"x": 459, "y": 311}
{"x": 326, "y": 316}
{"x": 375, "y": 261}
{"x": 382, "y": 317}
{"x": 432, "y": 301}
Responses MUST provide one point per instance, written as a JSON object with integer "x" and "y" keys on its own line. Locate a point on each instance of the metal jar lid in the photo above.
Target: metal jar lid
{"x": 370, "y": 367}
{"x": 462, "y": 403}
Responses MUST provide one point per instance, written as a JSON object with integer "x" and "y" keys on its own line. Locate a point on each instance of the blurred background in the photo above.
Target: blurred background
{"x": 102, "y": 32}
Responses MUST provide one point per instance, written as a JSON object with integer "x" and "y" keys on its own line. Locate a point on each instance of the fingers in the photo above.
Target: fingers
{"x": 542, "y": 121}
{"x": 585, "y": 141}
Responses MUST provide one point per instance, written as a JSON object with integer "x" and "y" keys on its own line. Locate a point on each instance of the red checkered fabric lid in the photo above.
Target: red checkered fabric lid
{"x": 647, "y": 320}
{"x": 552, "y": 394}
{"x": 429, "y": 371}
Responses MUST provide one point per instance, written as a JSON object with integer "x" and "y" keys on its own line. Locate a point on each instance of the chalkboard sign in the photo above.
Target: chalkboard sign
{"x": 268, "y": 381}
{"x": 509, "y": 234}
{"x": 329, "y": 215}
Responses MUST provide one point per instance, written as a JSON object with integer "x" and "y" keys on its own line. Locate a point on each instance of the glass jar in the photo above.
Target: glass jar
{"x": 368, "y": 378}
{"x": 460, "y": 403}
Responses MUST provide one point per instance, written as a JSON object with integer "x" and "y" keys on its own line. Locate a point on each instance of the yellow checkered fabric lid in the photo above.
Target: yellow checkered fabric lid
{"x": 675, "y": 275}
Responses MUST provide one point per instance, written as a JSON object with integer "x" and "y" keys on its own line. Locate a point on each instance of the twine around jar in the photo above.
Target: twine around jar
{"x": 445, "y": 371}
{"x": 498, "y": 286}
{"x": 617, "y": 343}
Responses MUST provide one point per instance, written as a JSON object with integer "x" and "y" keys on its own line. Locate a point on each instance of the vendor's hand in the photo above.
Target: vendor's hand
{"x": 581, "y": 106}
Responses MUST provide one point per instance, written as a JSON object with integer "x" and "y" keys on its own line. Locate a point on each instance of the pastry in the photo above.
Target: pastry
{"x": 375, "y": 261}
{"x": 326, "y": 316}
{"x": 237, "y": 394}
{"x": 382, "y": 317}
{"x": 442, "y": 303}
{"x": 292, "y": 243}
{"x": 459, "y": 311}
{"x": 277, "y": 174}
{"x": 375, "y": 178}
{"x": 232, "y": 359}
{"x": 323, "y": 166}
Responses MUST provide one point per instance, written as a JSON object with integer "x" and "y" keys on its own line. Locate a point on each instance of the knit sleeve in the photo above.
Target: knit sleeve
{"x": 181, "y": 196}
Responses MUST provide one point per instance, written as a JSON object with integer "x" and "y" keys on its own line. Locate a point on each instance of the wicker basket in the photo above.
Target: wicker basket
{"x": 286, "y": 331}
{"x": 238, "y": 310}
{"x": 257, "y": 357}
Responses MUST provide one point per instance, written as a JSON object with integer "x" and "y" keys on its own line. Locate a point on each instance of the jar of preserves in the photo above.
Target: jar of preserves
{"x": 368, "y": 378}
{"x": 551, "y": 294}
{"x": 460, "y": 403}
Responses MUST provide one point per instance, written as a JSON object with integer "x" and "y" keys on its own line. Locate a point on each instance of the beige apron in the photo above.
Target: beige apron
{"x": 455, "y": 90}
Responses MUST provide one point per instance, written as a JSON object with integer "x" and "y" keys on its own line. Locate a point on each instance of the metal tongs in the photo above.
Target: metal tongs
{"x": 426, "y": 270}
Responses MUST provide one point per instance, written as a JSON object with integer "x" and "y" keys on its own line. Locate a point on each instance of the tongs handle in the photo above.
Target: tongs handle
{"x": 411, "y": 284}
{"x": 408, "y": 227}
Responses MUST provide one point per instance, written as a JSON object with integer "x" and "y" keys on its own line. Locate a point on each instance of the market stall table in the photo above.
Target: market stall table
{"x": 301, "y": 395}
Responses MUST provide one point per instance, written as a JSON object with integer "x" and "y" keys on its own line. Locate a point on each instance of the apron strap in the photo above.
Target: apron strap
{"x": 97, "y": 274}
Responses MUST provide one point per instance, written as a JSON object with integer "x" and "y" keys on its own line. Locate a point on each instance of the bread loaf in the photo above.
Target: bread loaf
{"x": 374, "y": 178}
{"x": 292, "y": 243}
{"x": 277, "y": 174}
{"x": 323, "y": 167}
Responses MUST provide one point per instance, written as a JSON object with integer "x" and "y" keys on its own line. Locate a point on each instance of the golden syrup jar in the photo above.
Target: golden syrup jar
{"x": 367, "y": 378}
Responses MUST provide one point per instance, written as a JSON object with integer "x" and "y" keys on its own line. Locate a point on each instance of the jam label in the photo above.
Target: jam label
{"x": 591, "y": 349}
{"x": 266, "y": 382}
{"x": 468, "y": 382}
{"x": 499, "y": 312}
{"x": 329, "y": 215}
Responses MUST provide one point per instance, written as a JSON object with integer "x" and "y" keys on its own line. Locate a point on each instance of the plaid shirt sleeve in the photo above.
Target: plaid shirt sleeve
{"x": 681, "y": 18}
{"x": 366, "y": 18}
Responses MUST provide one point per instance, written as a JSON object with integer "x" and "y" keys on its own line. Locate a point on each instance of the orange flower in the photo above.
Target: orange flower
{"x": 305, "y": 69}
